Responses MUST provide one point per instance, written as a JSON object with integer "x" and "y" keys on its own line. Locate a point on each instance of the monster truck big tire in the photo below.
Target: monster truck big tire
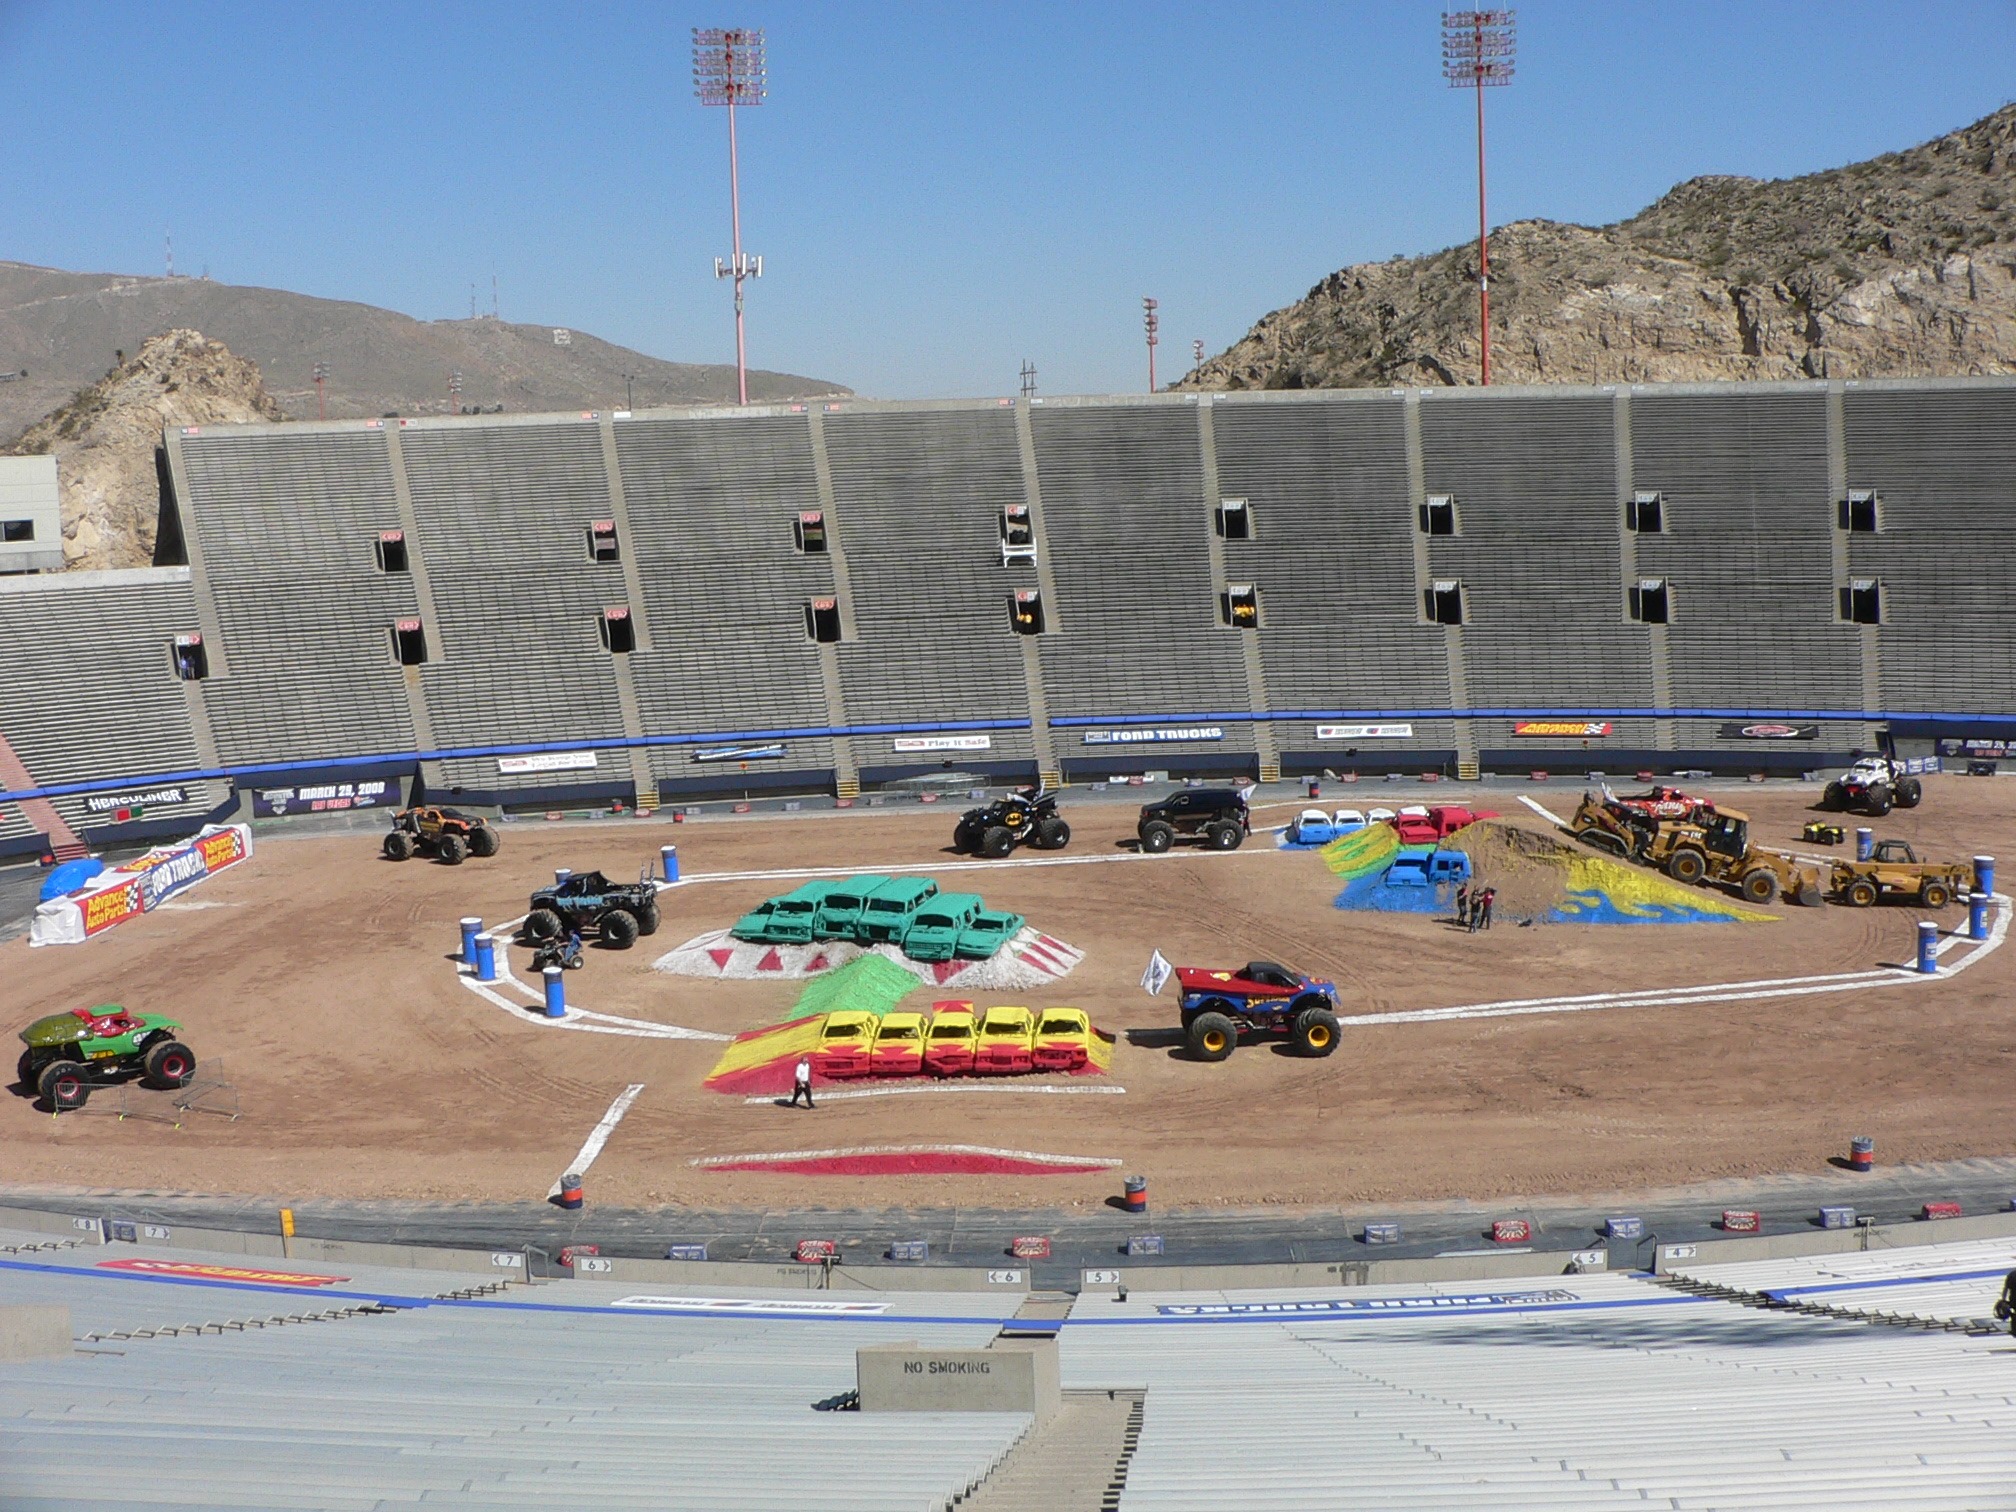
{"x": 1761, "y": 885}
{"x": 1316, "y": 1031}
{"x": 1877, "y": 803}
{"x": 1157, "y": 837}
{"x": 1053, "y": 834}
{"x": 648, "y": 919}
{"x": 619, "y": 929}
{"x": 1686, "y": 865}
{"x": 452, "y": 849}
{"x": 485, "y": 842}
{"x": 997, "y": 842}
{"x": 966, "y": 837}
{"x": 1934, "y": 895}
{"x": 24, "y": 1069}
{"x": 1831, "y": 797}
{"x": 1861, "y": 893}
{"x": 1212, "y": 1037}
{"x": 542, "y": 924}
{"x": 1910, "y": 793}
{"x": 169, "y": 1064}
{"x": 398, "y": 846}
{"x": 1224, "y": 835}
{"x": 62, "y": 1085}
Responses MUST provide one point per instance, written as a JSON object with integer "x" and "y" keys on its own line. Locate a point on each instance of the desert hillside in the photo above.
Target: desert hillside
{"x": 1902, "y": 266}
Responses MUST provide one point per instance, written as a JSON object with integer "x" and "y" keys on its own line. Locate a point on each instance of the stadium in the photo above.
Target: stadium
{"x": 1577, "y": 1214}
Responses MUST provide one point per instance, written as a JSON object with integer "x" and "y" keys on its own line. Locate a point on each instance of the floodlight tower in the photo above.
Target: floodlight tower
{"x": 728, "y": 70}
{"x": 1153, "y": 323}
{"x": 321, "y": 391}
{"x": 1477, "y": 50}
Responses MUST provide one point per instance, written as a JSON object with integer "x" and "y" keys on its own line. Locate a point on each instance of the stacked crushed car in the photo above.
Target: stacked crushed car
{"x": 910, "y": 913}
{"x": 954, "y": 1040}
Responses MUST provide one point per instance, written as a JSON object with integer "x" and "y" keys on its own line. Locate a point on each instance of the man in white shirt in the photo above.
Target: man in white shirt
{"x": 801, "y": 1082}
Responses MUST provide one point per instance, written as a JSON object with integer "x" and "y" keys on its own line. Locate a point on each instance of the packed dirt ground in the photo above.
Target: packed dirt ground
{"x": 321, "y": 982}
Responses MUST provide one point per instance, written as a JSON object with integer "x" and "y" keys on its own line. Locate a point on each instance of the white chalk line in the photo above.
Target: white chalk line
{"x": 599, "y": 1135}
{"x": 582, "y": 1019}
{"x": 943, "y": 1089}
{"x": 1035, "y": 1157}
{"x": 1547, "y": 814}
{"x": 1730, "y": 992}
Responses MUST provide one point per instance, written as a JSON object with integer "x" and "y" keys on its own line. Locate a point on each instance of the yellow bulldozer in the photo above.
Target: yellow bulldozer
{"x": 1717, "y": 850}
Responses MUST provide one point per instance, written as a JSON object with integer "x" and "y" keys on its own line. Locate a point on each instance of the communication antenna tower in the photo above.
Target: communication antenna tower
{"x": 1028, "y": 379}
{"x": 1153, "y": 323}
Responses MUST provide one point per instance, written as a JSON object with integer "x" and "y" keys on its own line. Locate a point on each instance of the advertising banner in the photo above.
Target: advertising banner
{"x": 1571, "y": 729}
{"x": 546, "y": 761}
{"x": 1990, "y": 750}
{"x": 741, "y": 753}
{"x": 1769, "y": 730}
{"x": 112, "y": 897}
{"x": 1149, "y": 736}
{"x": 943, "y": 742}
{"x": 328, "y": 797}
{"x": 108, "y": 803}
{"x": 1365, "y": 732}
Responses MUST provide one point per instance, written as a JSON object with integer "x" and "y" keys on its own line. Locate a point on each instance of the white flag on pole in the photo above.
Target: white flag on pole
{"x": 1156, "y": 975}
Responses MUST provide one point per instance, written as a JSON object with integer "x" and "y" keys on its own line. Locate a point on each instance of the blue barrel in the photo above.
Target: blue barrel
{"x": 1928, "y": 942}
{"x": 670, "y": 855}
{"x": 556, "y": 992}
{"x": 486, "y": 958}
{"x": 571, "y": 1195}
{"x": 1984, "y": 875}
{"x": 1977, "y": 916}
{"x": 1865, "y": 843}
{"x": 1861, "y": 1153}
{"x": 470, "y": 929}
{"x": 561, "y": 874}
{"x": 1136, "y": 1188}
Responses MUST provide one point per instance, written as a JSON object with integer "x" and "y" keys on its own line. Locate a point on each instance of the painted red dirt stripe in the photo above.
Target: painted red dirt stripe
{"x": 913, "y": 1163}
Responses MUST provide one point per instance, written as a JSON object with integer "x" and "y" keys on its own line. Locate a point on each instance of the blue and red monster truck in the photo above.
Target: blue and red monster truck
{"x": 1260, "y": 997}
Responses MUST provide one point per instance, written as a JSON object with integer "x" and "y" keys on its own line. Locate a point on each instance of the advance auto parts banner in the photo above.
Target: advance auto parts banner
{"x": 113, "y": 897}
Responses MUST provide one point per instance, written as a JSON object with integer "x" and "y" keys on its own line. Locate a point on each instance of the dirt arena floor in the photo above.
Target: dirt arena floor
{"x": 321, "y": 982}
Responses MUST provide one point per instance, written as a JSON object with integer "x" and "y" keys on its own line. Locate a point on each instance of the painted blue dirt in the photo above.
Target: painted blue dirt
{"x": 1594, "y": 908}
{"x": 1372, "y": 895}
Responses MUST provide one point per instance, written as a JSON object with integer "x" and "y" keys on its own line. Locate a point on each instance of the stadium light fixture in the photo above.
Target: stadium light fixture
{"x": 728, "y": 70}
{"x": 1153, "y": 323}
{"x": 1477, "y": 51}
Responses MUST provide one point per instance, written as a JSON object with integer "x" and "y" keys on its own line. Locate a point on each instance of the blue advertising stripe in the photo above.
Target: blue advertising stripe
{"x": 1780, "y": 1293}
{"x": 1393, "y": 1314}
{"x": 1062, "y": 721}
{"x": 413, "y": 1303}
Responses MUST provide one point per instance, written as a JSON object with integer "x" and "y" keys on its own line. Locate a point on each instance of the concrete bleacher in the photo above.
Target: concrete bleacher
{"x": 283, "y": 525}
{"x": 90, "y": 672}
{"x": 712, "y": 500}
{"x": 1129, "y": 531}
{"x": 919, "y": 496}
{"x": 1946, "y": 1283}
{"x": 1325, "y": 480}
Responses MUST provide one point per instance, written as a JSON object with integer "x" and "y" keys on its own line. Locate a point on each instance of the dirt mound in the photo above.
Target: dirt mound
{"x": 1528, "y": 868}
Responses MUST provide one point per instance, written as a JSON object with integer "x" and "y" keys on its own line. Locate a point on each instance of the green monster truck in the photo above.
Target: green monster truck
{"x": 69, "y": 1053}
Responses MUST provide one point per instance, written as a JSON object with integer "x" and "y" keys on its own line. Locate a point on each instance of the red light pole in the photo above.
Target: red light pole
{"x": 1154, "y": 324}
{"x": 1477, "y": 49}
{"x": 728, "y": 70}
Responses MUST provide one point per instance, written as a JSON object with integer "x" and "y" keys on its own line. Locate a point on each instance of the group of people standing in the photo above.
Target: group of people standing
{"x": 1473, "y": 907}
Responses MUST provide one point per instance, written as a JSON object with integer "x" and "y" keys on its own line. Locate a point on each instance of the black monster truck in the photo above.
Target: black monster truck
{"x": 1029, "y": 817}
{"x": 1217, "y": 816}
{"x": 446, "y": 833}
{"x": 617, "y": 911}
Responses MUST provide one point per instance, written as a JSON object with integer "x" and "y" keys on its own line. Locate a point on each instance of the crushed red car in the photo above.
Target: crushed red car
{"x": 1431, "y": 826}
{"x": 1666, "y": 803}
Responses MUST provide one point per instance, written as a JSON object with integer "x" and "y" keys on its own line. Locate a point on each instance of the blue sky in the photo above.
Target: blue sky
{"x": 938, "y": 191}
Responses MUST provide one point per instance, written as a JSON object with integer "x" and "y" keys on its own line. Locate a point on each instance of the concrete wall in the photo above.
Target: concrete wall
{"x": 1009, "y": 1281}
{"x": 1883, "y": 1236}
{"x": 35, "y": 1331}
{"x": 1009, "y": 1375}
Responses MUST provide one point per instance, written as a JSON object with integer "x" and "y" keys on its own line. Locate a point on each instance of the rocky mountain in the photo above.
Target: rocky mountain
{"x": 61, "y": 331}
{"x": 1902, "y": 266}
{"x": 105, "y": 438}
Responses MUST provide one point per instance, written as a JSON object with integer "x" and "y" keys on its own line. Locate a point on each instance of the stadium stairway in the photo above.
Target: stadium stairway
{"x": 1076, "y": 1461}
{"x": 40, "y": 812}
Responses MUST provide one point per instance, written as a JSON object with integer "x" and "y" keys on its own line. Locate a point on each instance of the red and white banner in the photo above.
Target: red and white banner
{"x": 142, "y": 884}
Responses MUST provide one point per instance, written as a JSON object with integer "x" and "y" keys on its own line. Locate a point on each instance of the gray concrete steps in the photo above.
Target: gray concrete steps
{"x": 1076, "y": 1461}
